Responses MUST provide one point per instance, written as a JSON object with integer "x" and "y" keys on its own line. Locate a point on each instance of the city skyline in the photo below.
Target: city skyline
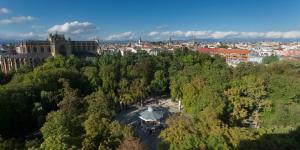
{"x": 153, "y": 20}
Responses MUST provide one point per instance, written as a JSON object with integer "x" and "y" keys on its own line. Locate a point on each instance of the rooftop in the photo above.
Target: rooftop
{"x": 222, "y": 50}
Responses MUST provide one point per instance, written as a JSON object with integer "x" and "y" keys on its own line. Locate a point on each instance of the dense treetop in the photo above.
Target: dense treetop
{"x": 70, "y": 103}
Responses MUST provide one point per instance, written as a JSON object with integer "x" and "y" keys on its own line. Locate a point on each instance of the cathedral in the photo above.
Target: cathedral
{"x": 34, "y": 52}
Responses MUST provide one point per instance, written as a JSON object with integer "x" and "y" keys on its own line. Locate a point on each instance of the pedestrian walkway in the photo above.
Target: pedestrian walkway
{"x": 131, "y": 116}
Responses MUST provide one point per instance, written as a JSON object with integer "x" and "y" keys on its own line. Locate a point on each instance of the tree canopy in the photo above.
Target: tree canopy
{"x": 70, "y": 103}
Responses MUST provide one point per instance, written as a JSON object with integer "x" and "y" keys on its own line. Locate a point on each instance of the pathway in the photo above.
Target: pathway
{"x": 130, "y": 116}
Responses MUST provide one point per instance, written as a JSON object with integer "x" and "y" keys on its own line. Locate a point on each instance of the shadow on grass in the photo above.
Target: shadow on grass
{"x": 288, "y": 141}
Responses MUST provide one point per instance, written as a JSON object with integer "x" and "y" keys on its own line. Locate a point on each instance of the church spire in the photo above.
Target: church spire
{"x": 170, "y": 41}
{"x": 140, "y": 40}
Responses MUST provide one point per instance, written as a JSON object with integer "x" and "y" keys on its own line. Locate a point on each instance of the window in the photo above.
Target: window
{"x": 42, "y": 49}
{"x": 49, "y": 49}
{"x": 28, "y": 50}
{"x": 34, "y": 49}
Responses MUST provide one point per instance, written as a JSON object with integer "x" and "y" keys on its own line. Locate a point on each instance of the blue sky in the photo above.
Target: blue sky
{"x": 151, "y": 19}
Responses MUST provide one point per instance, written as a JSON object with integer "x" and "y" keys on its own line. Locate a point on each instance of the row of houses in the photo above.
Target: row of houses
{"x": 235, "y": 56}
{"x": 232, "y": 56}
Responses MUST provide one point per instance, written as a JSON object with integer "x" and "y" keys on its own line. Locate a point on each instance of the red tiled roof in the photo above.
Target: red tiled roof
{"x": 222, "y": 50}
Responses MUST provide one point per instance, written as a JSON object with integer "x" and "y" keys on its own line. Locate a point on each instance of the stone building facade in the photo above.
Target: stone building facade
{"x": 32, "y": 53}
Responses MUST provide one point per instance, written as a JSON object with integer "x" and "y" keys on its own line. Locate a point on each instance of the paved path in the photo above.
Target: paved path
{"x": 130, "y": 116}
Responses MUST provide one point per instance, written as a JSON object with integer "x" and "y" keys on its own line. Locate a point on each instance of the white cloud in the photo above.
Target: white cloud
{"x": 121, "y": 36}
{"x": 154, "y": 33}
{"x": 4, "y": 11}
{"x": 196, "y": 33}
{"x": 224, "y": 35}
{"x": 19, "y": 19}
{"x": 167, "y": 33}
{"x": 221, "y": 35}
{"x": 291, "y": 34}
{"x": 75, "y": 29}
{"x": 178, "y": 33}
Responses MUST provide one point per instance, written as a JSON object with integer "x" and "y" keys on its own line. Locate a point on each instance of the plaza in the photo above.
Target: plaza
{"x": 146, "y": 124}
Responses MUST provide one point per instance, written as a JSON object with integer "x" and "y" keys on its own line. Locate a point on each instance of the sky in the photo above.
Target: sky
{"x": 150, "y": 19}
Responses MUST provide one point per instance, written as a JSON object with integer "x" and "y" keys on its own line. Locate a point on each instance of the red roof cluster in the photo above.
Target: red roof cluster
{"x": 222, "y": 51}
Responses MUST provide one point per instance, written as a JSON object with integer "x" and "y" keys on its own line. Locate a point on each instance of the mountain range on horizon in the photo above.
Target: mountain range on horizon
{"x": 198, "y": 40}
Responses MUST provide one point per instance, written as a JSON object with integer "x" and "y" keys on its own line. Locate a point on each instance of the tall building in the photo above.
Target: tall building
{"x": 33, "y": 52}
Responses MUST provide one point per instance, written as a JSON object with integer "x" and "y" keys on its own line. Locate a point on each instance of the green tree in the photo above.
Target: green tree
{"x": 139, "y": 90}
{"x": 144, "y": 69}
{"x": 223, "y": 46}
{"x": 109, "y": 76}
{"x": 197, "y": 96}
{"x": 247, "y": 97}
{"x": 159, "y": 84}
{"x": 98, "y": 103}
{"x": 244, "y": 69}
{"x": 124, "y": 92}
{"x": 203, "y": 132}
{"x": 92, "y": 75}
{"x": 132, "y": 144}
{"x": 96, "y": 128}
{"x": 284, "y": 91}
{"x": 62, "y": 129}
{"x": 270, "y": 59}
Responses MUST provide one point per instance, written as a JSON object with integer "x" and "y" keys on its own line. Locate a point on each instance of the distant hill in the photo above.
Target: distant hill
{"x": 199, "y": 40}
{"x": 2, "y": 41}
